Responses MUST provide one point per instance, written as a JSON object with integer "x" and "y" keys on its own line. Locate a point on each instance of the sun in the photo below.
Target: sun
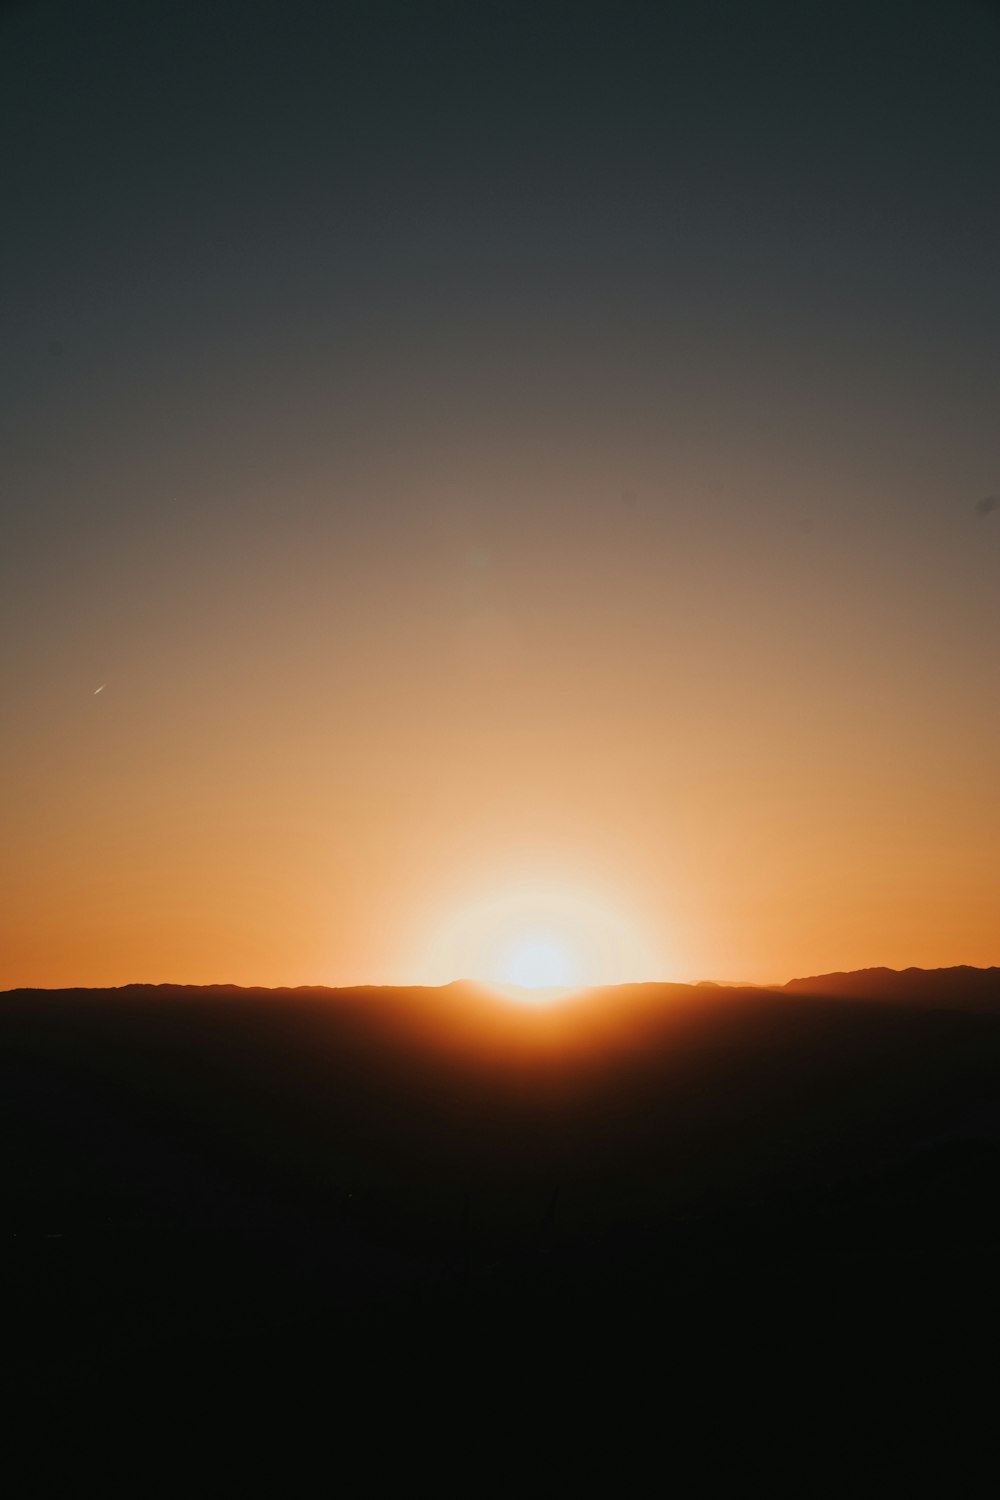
{"x": 535, "y": 941}
{"x": 537, "y": 963}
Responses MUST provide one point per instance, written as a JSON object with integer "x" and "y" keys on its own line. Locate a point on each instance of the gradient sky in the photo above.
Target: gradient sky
{"x": 491, "y": 454}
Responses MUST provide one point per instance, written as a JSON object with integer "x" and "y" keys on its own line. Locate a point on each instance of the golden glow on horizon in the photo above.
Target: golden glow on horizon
{"x": 538, "y": 942}
{"x": 355, "y": 785}
{"x": 537, "y": 963}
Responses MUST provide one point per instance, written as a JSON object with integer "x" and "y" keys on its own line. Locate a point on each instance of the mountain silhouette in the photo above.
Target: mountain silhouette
{"x": 959, "y": 987}
{"x": 310, "y": 1193}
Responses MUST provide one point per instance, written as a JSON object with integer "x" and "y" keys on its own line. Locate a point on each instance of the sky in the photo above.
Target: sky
{"x": 489, "y": 474}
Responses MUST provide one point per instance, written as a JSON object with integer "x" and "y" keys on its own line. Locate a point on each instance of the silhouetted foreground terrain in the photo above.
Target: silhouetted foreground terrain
{"x": 317, "y": 1193}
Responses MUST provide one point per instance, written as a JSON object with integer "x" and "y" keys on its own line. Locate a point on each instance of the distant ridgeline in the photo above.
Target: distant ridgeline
{"x": 221, "y": 1185}
{"x": 958, "y": 987}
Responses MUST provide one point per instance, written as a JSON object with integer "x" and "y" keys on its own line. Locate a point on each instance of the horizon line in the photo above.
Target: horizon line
{"x": 486, "y": 984}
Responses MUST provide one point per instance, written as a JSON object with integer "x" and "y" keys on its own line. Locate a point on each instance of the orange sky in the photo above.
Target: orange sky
{"x": 557, "y": 479}
{"x": 759, "y": 770}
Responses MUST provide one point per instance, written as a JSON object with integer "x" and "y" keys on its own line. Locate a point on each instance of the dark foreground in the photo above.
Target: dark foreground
{"x": 423, "y": 1224}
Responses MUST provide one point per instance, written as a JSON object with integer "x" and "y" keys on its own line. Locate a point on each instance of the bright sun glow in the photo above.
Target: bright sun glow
{"x": 537, "y": 941}
{"x": 537, "y": 963}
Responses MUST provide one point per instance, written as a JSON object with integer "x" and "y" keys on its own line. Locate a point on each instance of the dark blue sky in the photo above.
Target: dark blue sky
{"x": 223, "y": 211}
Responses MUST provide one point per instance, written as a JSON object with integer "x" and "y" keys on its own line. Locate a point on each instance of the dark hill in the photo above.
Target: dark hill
{"x": 957, "y": 988}
{"x": 203, "y": 1187}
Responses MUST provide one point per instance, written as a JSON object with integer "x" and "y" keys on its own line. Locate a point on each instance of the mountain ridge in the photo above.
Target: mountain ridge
{"x": 872, "y": 982}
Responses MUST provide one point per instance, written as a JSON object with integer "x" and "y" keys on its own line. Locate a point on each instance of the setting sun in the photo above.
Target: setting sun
{"x": 539, "y": 963}
{"x": 537, "y": 938}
